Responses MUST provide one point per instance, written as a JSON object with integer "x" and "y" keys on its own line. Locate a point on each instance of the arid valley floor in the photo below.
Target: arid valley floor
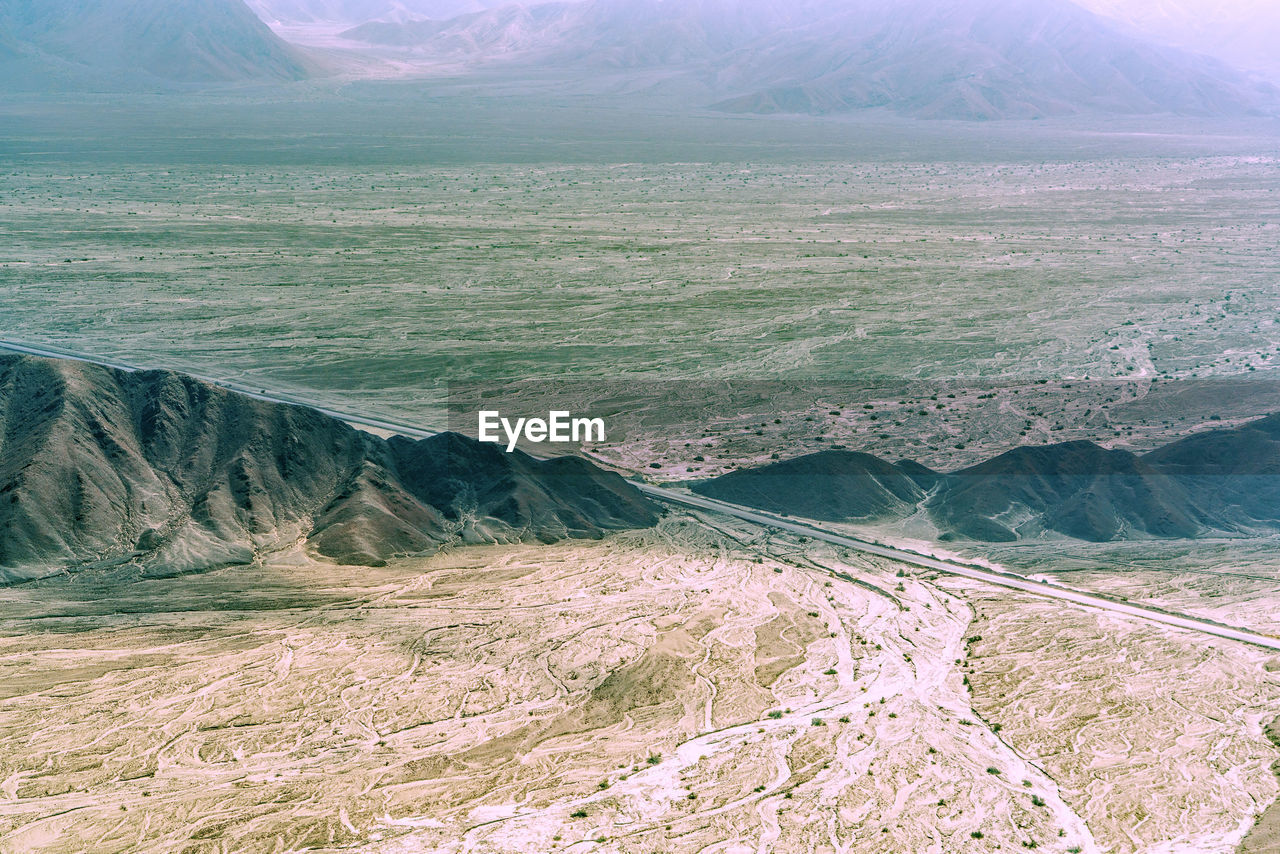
{"x": 699, "y": 687}
{"x": 725, "y": 291}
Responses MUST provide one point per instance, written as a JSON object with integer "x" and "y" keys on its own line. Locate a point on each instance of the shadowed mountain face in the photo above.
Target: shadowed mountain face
{"x": 955, "y": 59}
{"x": 135, "y": 42}
{"x": 1236, "y": 472}
{"x": 1076, "y": 488}
{"x": 104, "y": 466}
{"x": 1223, "y": 481}
{"x": 851, "y": 485}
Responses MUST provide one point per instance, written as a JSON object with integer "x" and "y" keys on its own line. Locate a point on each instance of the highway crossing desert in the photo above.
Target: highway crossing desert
{"x": 914, "y": 360}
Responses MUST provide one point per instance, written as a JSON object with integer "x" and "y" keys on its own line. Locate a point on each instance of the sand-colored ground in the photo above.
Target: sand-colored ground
{"x": 691, "y": 688}
{"x": 1265, "y": 835}
{"x": 1152, "y": 736}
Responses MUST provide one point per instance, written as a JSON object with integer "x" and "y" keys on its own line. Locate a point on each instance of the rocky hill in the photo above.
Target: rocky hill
{"x": 103, "y": 466}
{"x": 1218, "y": 482}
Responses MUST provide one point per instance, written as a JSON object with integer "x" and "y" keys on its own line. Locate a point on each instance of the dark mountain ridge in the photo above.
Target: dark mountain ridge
{"x": 128, "y": 43}
{"x": 855, "y": 486}
{"x": 1214, "y": 483}
{"x": 153, "y": 467}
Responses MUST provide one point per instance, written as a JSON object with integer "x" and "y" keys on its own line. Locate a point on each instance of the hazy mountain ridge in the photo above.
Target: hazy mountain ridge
{"x": 989, "y": 60}
{"x": 354, "y": 12}
{"x": 507, "y": 31}
{"x": 1243, "y": 32}
{"x": 1214, "y": 483}
{"x": 965, "y": 59}
{"x": 153, "y": 467}
{"x": 124, "y": 43}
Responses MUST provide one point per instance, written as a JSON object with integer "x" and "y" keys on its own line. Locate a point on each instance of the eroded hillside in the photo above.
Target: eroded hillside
{"x": 163, "y": 471}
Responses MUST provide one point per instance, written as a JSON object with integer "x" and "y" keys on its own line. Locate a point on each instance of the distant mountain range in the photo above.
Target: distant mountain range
{"x": 944, "y": 59}
{"x": 1242, "y": 32}
{"x": 353, "y": 12}
{"x": 99, "y": 466}
{"x": 48, "y": 44}
{"x": 957, "y": 59}
{"x": 1214, "y": 483}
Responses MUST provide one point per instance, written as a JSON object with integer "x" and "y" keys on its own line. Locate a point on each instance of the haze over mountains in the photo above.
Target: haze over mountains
{"x": 102, "y": 466}
{"x": 353, "y": 12}
{"x": 1214, "y": 483}
{"x": 48, "y": 44}
{"x": 964, "y": 59}
{"x": 948, "y": 59}
{"x": 1241, "y": 32}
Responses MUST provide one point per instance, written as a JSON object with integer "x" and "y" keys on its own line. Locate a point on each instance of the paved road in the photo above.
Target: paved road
{"x": 1003, "y": 579}
{"x": 671, "y": 496}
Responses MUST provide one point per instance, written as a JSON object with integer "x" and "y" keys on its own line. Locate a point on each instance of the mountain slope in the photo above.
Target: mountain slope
{"x": 1214, "y": 483}
{"x": 494, "y": 35}
{"x": 957, "y": 59}
{"x": 100, "y": 466}
{"x": 985, "y": 59}
{"x": 106, "y": 42}
{"x": 1236, "y": 472}
{"x": 1242, "y": 32}
{"x": 1074, "y": 488}
{"x": 354, "y": 12}
{"x": 829, "y": 485}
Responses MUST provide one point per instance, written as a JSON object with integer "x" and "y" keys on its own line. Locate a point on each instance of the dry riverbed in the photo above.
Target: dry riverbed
{"x": 698, "y": 687}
